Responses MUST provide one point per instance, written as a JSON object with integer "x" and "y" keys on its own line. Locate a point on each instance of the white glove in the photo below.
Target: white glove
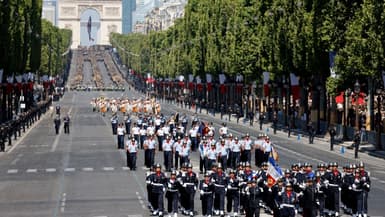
{"x": 184, "y": 185}
{"x": 354, "y": 186}
{"x": 350, "y": 188}
{"x": 164, "y": 189}
{"x": 296, "y": 211}
{"x": 367, "y": 185}
{"x": 339, "y": 189}
{"x": 169, "y": 185}
{"x": 202, "y": 192}
{"x": 195, "y": 188}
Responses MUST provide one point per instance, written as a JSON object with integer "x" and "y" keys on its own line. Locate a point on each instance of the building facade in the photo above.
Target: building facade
{"x": 128, "y": 7}
{"x": 49, "y": 11}
{"x": 91, "y": 21}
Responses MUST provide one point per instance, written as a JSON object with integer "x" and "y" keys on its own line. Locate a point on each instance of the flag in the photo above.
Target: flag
{"x": 332, "y": 56}
{"x": 239, "y": 78}
{"x": 274, "y": 172}
{"x": 19, "y": 78}
{"x": 209, "y": 78}
{"x": 295, "y": 89}
{"x": 89, "y": 28}
{"x": 199, "y": 83}
{"x": 266, "y": 78}
{"x": 340, "y": 99}
{"x": 222, "y": 78}
{"x": 190, "y": 81}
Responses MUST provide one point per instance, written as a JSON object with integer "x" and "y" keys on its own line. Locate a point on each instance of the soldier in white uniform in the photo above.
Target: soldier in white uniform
{"x": 247, "y": 145}
{"x": 149, "y": 153}
{"x": 132, "y": 151}
{"x": 167, "y": 152}
{"x": 236, "y": 151}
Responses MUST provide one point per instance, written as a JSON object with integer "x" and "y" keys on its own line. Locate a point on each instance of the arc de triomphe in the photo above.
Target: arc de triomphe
{"x": 91, "y": 21}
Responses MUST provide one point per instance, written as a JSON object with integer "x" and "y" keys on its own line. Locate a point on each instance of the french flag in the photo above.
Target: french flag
{"x": 274, "y": 172}
{"x": 295, "y": 88}
{"x": 266, "y": 78}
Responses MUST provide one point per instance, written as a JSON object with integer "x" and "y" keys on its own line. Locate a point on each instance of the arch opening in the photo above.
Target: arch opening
{"x": 89, "y": 27}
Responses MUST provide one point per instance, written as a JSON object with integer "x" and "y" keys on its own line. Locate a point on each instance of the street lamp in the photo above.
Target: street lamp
{"x": 379, "y": 101}
{"x": 357, "y": 89}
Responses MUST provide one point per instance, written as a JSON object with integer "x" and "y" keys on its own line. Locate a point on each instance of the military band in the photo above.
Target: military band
{"x": 230, "y": 186}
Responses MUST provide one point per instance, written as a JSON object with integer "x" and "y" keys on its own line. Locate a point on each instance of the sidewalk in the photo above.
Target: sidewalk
{"x": 364, "y": 148}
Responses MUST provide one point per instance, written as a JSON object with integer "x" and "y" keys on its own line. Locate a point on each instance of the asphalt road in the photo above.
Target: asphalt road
{"x": 84, "y": 175}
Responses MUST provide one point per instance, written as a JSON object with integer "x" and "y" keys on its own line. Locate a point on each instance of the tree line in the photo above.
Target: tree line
{"x": 278, "y": 36}
{"x": 29, "y": 43}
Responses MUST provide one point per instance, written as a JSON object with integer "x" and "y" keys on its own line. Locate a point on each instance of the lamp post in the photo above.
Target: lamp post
{"x": 357, "y": 89}
{"x": 379, "y": 101}
{"x": 319, "y": 88}
{"x": 347, "y": 93}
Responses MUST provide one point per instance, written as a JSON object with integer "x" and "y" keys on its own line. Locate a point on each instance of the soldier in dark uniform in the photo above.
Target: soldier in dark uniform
{"x": 190, "y": 183}
{"x": 172, "y": 194}
{"x": 261, "y": 119}
{"x": 57, "y": 108}
{"x": 320, "y": 193}
{"x": 254, "y": 197}
{"x": 309, "y": 199}
{"x": 151, "y": 204}
{"x": 57, "y": 124}
{"x": 332, "y": 133}
{"x": 66, "y": 121}
{"x": 311, "y": 131}
{"x": 365, "y": 176}
{"x": 333, "y": 181}
{"x": 220, "y": 183}
{"x": 206, "y": 188}
{"x": 288, "y": 201}
{"x": 158, "y": 181}
{"x": 232, "y": 193}
{"x": 347, "y": 181}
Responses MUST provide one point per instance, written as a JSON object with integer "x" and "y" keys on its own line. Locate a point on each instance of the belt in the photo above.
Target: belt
{"x": 334, "y": 185}
{"x": 221, "y": 186}
{"x": 287, "y": 205}
{"x": 170, "y": 190}
{"x": 157, "y": 184}
{"x": 189, "y": 183}
{"x": 208, "y": 192}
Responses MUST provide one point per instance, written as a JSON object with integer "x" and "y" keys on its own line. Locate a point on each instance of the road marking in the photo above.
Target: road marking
{"x": 382, "y": 181}
{"x": 56, "y": 142}
{"x": 88, "y": 169}
{"x": 374, "y": 178}
{"x": 108, "y": 168}
{"x": 125, "y": 168}
{"x": 50, "y": 170}
{"x": 69, "y": 170}
{"x": 31, "y": 170}
{"x": 13, "y": 171}
{"x": 63, "y": 202}
{"x": 15, "y": 161}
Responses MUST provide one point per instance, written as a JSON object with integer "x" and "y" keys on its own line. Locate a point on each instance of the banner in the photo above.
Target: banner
{"x": 239, "y": 78}
{"x": 266, "y": 78}
{"x": 222, "y": 78}
{"x": 295, "y": 88}
{"x": 209, "y": 78}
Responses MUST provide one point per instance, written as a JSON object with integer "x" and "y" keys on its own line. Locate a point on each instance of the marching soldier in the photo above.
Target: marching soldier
{"x": 246, "y": 148}
{"x": 184, "y": 153}
{"x": 320, "y": 193}
{"x": 114, "y": 124}
{"x": 288, "y": 201}
{"x": 206, "y": 188}
{"x": 203, "y": 148}
{"x": 56, "y": 122}
{"x": 232, "y": 193}
{"x": 220, "y": 183}
{"x": 149, "y": 153}
{"x": 120, "y": 132}
{"x": 365, "y": 176}
{"x": 172, "y": 194}
{"x": 151, "y": 202}
{"x": 177, "y": 147}
{"x": 211, "y": 155}
{"x": 333, "y": 181}
{"x": 167, "y": 152}
{"x": 309, "y": 199}
{"x": 127, "y": 123}
{"x": 254, "y": 197}
{"x": 222, "y": 153}
{"x": 235, "y": 149}
{"x": 135, "y": 132}
{"x": 66, "y": 121}
{"x": 131, "y": 151}
{"x": 158, "y": 181}
{"x": 190, "y": 183}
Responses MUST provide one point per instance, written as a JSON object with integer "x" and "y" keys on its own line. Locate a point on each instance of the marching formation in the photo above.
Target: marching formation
{"x": 230, "y": 186}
